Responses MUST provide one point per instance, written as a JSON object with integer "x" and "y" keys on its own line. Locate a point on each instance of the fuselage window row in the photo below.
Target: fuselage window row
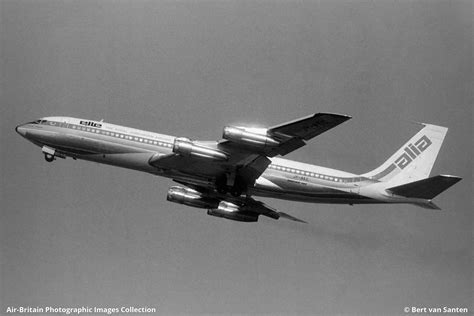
{"x": 308, "y": 174}
{"x": 106, "y": 133}
{"x": 162, "y": 144}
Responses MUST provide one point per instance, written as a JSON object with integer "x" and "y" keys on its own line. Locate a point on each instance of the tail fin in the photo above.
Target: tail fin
{"x": 427, "y": 188}
{"x": 414, "y": 160}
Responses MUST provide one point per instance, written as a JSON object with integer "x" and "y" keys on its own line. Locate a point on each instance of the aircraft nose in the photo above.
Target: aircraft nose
{"x": 20, "y": 129}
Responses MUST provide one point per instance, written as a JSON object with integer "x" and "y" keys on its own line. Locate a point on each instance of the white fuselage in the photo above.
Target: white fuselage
{"x": 132, "y": 148}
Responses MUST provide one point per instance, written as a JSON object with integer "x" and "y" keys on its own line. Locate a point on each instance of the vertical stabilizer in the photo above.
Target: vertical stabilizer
{"x": 414, "y": 160}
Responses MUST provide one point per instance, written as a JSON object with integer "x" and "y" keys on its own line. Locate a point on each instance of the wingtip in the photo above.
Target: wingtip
{"x": 454, "y": 178}
{"x": 432, "y": 206}
{"x": 292, "y": 218}
{"x": 342, "y": 116}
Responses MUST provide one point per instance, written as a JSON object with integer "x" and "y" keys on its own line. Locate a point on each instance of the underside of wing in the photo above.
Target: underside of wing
{"x": 244, "y": 209}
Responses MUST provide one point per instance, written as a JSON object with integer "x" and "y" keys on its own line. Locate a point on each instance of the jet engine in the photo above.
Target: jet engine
{"x": 190, "y": 197}
{"x": 185, "y": 147}
{"x": 248, "y": 137}
{"x": 233, "y": 212}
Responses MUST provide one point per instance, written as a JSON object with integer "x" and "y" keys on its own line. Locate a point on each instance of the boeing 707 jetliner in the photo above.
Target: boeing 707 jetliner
{"x": 223, "y": 176}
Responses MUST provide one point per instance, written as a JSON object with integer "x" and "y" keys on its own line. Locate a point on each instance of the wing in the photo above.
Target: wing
{"x": 277, "y": 140}
{"x": 244, "y": 204}
{"x": 309, "y": 126}
{"x": 243, "y": 154}
{"x": 283, "y": 138}
{"x": 300, "y": 130}
{"x": 251, "y": 205}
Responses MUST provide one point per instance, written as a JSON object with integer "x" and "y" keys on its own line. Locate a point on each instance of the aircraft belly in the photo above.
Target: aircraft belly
{"x": 135, "y": 161}
{"x": 101, "y": 149}
{"x": 303, "y": 186}
{"x": 82, "y": 143}
{"x": 299, "y": 190}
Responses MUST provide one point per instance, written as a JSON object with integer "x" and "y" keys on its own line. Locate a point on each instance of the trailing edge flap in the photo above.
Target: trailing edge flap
{"x": 427, "y": 188}
{"x": 288, "y": 216}
{"x": 261, "y": 208}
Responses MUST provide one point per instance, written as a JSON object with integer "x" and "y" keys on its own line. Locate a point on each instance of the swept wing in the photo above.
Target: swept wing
{"x": 243, "y": 155}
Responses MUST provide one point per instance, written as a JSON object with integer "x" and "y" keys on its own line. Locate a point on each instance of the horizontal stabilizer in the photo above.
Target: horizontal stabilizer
{"x": 427, "y": 188}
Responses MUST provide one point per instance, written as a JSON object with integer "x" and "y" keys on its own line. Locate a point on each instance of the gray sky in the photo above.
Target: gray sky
{"x": 75, "y": 233}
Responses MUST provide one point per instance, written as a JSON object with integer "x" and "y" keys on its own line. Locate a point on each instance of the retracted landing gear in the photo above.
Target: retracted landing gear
{"x": 48, "y": 157}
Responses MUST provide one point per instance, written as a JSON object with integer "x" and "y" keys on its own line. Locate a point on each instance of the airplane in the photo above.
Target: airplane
{"x": 224, "y": 176}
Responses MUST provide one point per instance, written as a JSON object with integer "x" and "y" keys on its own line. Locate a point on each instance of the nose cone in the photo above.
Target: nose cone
{"x": 20, "y": 129}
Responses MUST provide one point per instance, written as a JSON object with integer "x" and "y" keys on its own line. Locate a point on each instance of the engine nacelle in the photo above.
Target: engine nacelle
{"x": 231, "y": 211}
{"x": 185, "y": 147}
{"x": 247, "y": 137}
{"x": 190, "y": 197}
